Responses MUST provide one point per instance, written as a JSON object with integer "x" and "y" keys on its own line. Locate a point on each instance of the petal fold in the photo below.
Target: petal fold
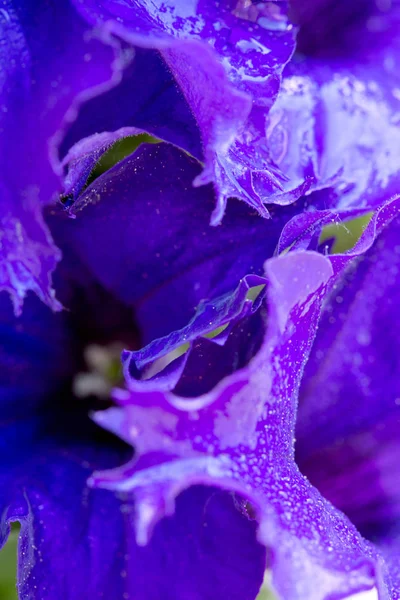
{"x": 150, "y": 239}
{"x": 213, "y": 321}
{"x": 76, "y": 542}
{"x": 227, "y": 60}
{"x": 336, "y": 114}
{"x": 52, "y": 61}
{"x": 348, "y": 423}
{"x": 239, "y": 437}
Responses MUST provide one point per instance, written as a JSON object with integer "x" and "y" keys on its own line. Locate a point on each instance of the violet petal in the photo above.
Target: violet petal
{"x": 338, "y": 111}
{"x": 76, "y": 542}
{"x": 51, "y": 62}
{"x": 240, "y": 437}
{"x": 227, "y": 62}
{"x": 150, "y": 239}
{"x": 348, "y": 424}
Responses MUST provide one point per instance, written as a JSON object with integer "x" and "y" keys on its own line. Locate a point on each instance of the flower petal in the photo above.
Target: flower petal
{"x": 360, "y": 310}
{"x": 239, "y": 436}
{"x": 339, "y": 114}
{"x": 213, "y": 321}
{"x": 227, "y": 62}
{"x": 77, "y": 542}
{"x": 349, "y": 424}
{"x": 51, "y": 61}
{"x": 34, "y": 360}
{"x": 150, "y": 239}
{"x": 330, "y": 28}
{"x": 147, "y": 98}
{"x": 304, "y": 230}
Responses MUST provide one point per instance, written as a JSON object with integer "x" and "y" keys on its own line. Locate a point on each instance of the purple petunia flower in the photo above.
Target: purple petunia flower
{"x": 199, "y": 359}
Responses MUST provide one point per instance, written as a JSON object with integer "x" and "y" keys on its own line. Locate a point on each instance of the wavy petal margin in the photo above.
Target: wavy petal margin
{"x": 304, "y": 230}
{"x": 160, "y": 364}
{"x": 150, "y": 240}
{"x": 78, "y": 543}
{"x": 240, "y": 436}
{"x": 228, "y": 62}
{"x": 52, "y": 61}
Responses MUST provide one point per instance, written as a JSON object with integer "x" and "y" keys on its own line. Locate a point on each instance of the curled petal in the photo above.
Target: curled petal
{"x": 150, "y": 239}
{"x": 146, "y": 97}
{"x": 227, "y": 60}
{"x": 160, "y": 364}
{"x": 239, "y": 436}
{"x": 304, "y": 230}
